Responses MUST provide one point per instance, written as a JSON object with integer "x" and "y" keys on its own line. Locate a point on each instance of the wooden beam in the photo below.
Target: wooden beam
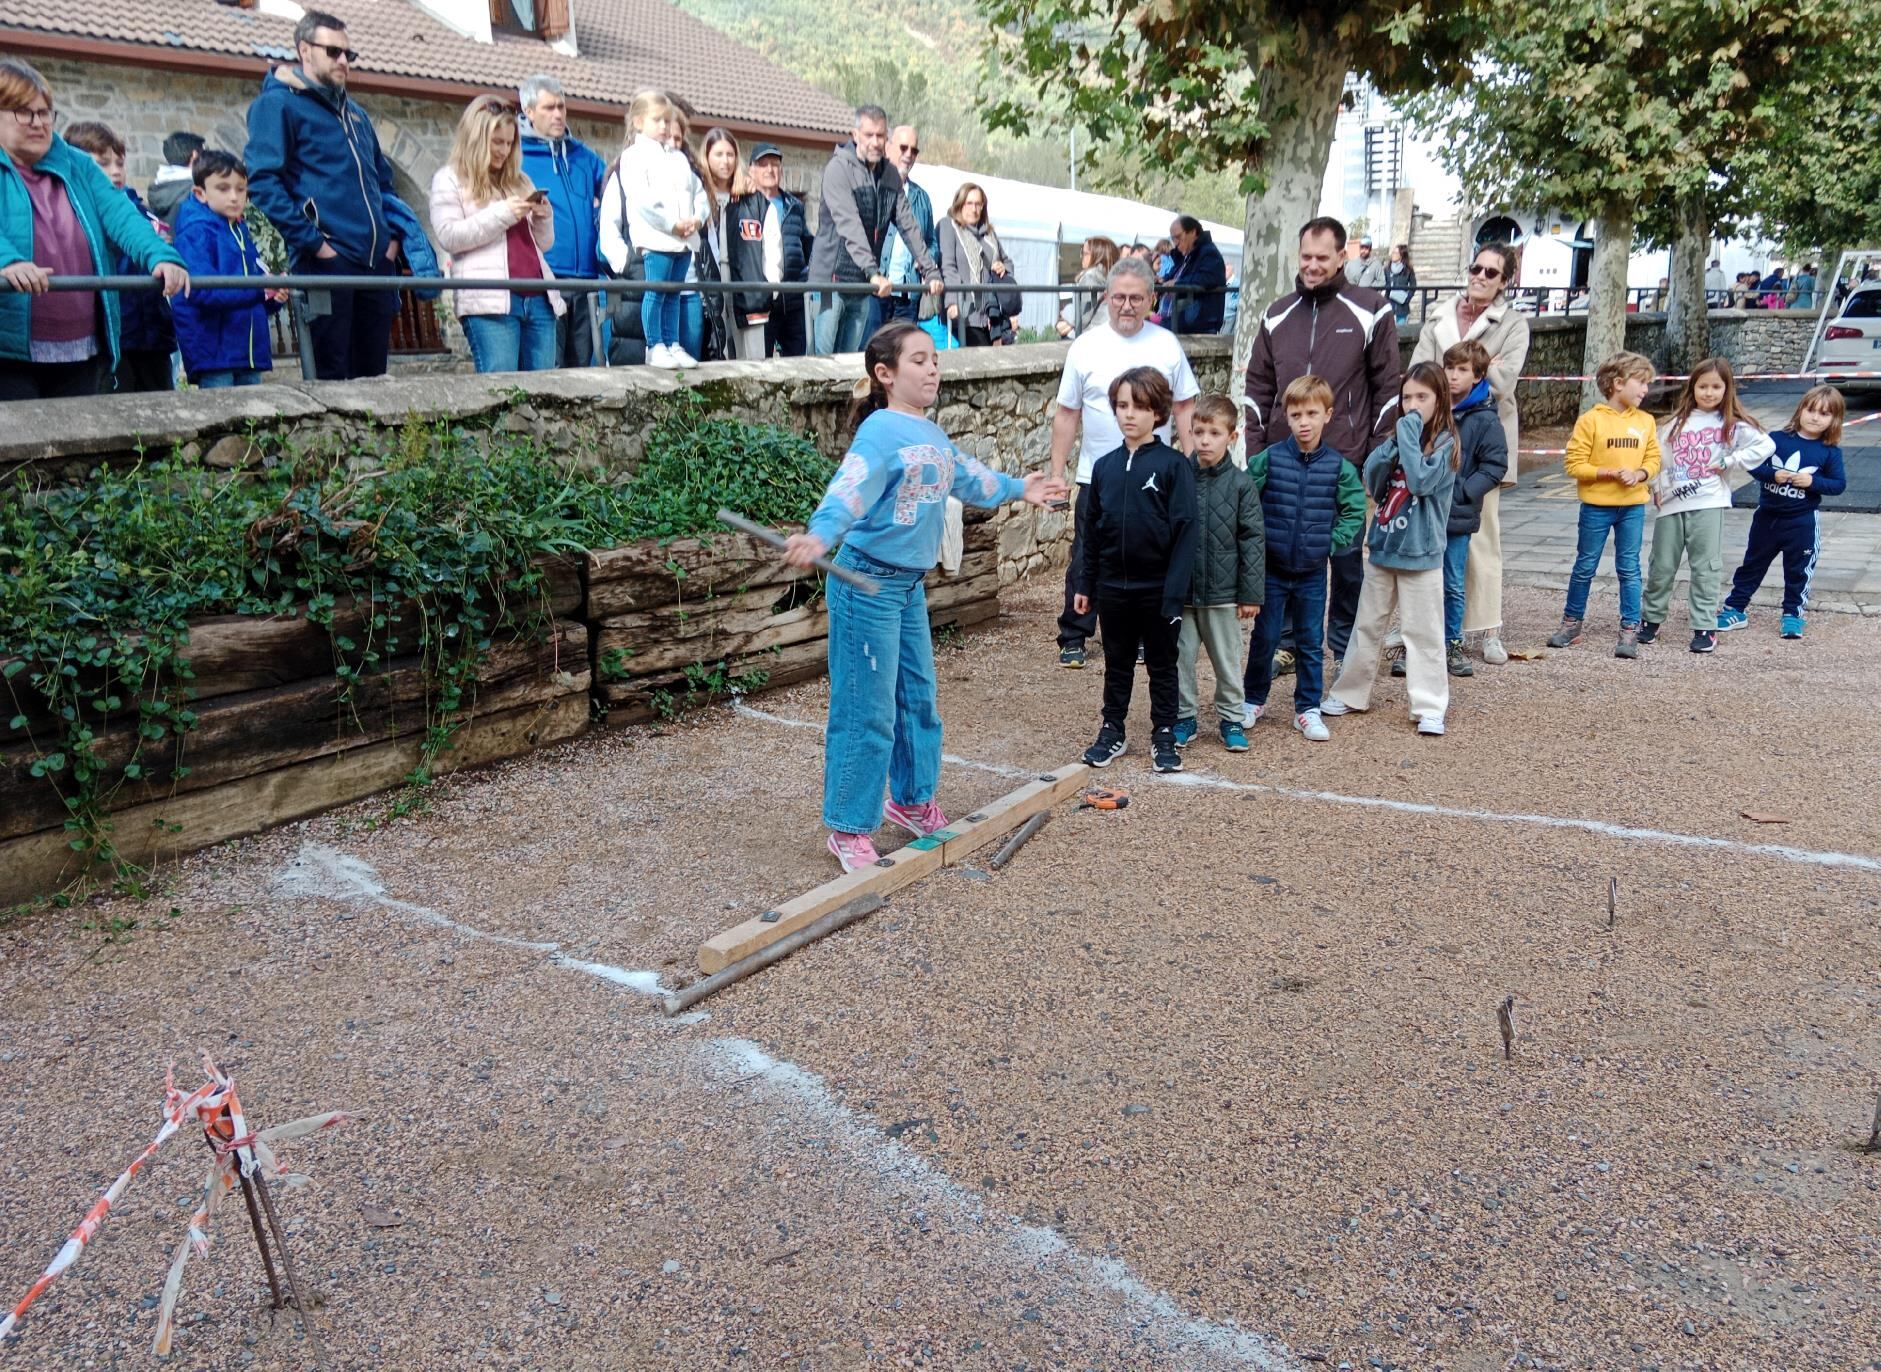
{"x": 905, "y": 865}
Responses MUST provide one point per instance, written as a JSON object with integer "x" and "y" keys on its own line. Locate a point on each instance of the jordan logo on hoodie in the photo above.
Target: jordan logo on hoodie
{"x": 1151, "y": 485}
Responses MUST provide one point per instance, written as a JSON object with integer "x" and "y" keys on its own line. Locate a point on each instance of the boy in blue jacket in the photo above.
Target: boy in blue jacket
{"x": 1806, "y": 467}
{"x": 223, "y": 333}
{"x": 1137, "y": 562}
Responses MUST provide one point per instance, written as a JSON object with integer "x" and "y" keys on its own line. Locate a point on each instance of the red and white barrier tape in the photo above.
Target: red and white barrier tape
{"x": 216, "y": 1108}
{"x": 1562, "y": 452}
{"x": 1741, "y": 376}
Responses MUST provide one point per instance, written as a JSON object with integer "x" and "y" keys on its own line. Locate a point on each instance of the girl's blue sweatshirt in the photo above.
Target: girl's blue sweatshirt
{"x": 888, "y": 499}
{"x": 1823, "y": 462}
{"x": 1413, "y": 489}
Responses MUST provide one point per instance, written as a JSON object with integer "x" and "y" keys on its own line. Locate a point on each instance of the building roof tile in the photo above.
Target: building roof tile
{"x": 626, "y": 45}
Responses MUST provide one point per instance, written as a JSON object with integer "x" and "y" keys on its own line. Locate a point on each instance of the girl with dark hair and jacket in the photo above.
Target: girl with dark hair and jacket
{"x": 1412, "y": 477}
{"x": 886, "y": 507}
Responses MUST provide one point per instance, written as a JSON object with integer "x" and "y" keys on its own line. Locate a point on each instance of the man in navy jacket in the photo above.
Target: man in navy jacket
{"x": 572, "y": 173}
{"x": 316, "y": 170}
{"x": 1198, "y": 263}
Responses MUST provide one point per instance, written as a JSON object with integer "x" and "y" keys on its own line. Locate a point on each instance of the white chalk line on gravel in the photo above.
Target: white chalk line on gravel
{"x": 322, "y": 872}
{"x": 1133, "y": 1308}
{"x": 1808, "y": 856}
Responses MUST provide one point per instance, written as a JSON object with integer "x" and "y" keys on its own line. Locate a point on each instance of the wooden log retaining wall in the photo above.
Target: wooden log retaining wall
{"x": 276, "y": 739}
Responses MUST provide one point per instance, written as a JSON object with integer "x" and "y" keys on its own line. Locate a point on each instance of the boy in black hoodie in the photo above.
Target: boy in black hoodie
{"x": 1138, "y": 555}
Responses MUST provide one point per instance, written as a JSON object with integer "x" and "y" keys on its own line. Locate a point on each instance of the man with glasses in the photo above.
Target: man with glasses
{"x": 863, "y": 195}
{"x": 316, "y": 170}
{"x": 1098, "y": 357}
{"x": 904, "y": 147}
{"x": 1347, "y": 336}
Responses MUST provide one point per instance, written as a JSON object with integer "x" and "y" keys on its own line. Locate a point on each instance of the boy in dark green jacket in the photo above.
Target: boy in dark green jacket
{"x": 1230, "y": 578}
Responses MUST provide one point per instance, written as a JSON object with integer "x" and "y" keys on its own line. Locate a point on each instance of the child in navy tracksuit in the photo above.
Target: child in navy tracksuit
{"x": 223, "y": 333}
{"x": 1806, "y": 467}
{"x": 1137, "y": 561}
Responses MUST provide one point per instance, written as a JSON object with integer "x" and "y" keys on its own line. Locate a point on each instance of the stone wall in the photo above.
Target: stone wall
{"x": 996, "y": 402}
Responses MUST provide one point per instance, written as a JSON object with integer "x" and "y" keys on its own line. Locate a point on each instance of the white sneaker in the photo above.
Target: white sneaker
{"x": 1430, "y": 724}
{"x": 1493, "y": 652}
{"x": 1250, "y": 714}
{"x": 657, "y": 356}
{"x": 1312, "y": 726}
{"x": 679, "y": 357}
{"x": 1331, "y": 705}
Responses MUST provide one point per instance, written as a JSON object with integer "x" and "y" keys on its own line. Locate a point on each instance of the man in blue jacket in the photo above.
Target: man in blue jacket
{"x": 572, "y": 173}
{"x": 316, "y": 170}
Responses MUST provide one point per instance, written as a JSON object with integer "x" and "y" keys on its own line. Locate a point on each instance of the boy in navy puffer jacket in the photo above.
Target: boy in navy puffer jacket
{"x": 223, "y": 333}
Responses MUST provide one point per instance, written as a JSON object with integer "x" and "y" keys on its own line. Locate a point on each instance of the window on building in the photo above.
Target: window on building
{"x": 545, "y": 19}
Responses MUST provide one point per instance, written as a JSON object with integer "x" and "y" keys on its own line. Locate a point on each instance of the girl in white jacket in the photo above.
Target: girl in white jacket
{"x": 495, "y": 224}
{"x": 1709, "y": 437}
{"x": 664, "y": 208}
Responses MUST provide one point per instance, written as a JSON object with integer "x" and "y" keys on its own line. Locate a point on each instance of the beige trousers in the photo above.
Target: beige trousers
{"x": 1482, "y": 582}
{"x": 1418, "y": 599}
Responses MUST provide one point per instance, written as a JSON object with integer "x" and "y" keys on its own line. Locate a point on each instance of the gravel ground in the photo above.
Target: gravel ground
{"x": 1213, "y": 1082}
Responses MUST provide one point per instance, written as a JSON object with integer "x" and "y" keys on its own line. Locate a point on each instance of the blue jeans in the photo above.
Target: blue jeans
{"x": 884, "y": 719}
{"x": 659, "y": 312}
{"x": 1628, "y": 523}
{"x": 1295, "y": 601}
{"x": 524, "y": 340}
{"x": 215, "y": 381}
{"x": 843, "y": 325}
{"x": 692, "y": 326}
{"x": 1456, "y": 561}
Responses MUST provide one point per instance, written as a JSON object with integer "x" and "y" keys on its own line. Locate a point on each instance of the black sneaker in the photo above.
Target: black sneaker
{"x": 1072, "y": 656}
{"x": 1108, "y": 748}
{"x": 1650, "y": 631}
{"x": 1397, "y": 663}
{"x": 1163, "y": 754}
{"x": 1454, "y": 660}
{"x": 1703, "y": 640}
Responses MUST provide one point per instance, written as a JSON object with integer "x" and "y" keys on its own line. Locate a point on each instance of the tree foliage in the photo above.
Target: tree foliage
{"x": 1815, "y": 182}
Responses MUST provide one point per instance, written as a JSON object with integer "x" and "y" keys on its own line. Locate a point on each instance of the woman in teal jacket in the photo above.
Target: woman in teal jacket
{"x": 60, "y": 216}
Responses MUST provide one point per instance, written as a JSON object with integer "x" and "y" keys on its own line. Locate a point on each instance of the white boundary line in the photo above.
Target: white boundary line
{"x": 1807, "y": 856}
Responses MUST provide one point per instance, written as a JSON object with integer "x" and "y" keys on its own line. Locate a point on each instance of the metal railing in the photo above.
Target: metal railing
{"x": 309, "y": 295}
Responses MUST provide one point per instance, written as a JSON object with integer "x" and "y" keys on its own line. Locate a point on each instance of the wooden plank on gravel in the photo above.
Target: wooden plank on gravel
{"x": 921, "y": 858}
{"x": 38, "y": 863}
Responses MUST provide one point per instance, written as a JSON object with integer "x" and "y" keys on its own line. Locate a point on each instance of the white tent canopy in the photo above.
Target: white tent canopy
{"x": 1033, "y": 220}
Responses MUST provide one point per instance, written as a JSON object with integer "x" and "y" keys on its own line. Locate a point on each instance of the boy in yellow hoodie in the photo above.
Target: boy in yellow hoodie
{"x": 1613, "y": 455}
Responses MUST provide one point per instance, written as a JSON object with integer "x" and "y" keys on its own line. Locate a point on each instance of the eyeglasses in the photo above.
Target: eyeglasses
{"x": 336, "y": 52}
{"x": 32, "y": 117}
{"x": 1492, "y": 273}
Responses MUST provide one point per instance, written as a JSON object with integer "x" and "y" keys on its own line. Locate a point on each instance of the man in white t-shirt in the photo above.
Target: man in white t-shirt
{"x": 1097, "y": 358}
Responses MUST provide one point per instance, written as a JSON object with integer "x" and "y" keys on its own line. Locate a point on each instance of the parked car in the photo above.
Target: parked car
{"x": 1852, "y": 341}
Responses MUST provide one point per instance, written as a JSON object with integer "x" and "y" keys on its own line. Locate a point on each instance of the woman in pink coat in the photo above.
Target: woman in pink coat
{"x": 495, "y": 224}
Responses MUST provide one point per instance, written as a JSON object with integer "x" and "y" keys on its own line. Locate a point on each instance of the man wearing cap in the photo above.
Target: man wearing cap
{"x": 1365, "y": 270}
{"x": 769, "y": 242}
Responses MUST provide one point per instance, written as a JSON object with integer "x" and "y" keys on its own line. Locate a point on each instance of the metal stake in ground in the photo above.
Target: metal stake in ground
{"x": 867, "y": 585}
{"x": 261, "y": 1235}
{"x": 1505, "y": 1021}
{"x": 1018, "y": 840}
{"x": 293, "y": 1276}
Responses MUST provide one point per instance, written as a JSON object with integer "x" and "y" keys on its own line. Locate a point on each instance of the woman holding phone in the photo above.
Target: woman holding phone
{"x": 495, "y": 224}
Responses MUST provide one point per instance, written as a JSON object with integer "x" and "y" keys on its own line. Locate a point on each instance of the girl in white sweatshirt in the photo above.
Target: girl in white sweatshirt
{"x": 1709, "y": 436}
{"x": 665, "y": 206}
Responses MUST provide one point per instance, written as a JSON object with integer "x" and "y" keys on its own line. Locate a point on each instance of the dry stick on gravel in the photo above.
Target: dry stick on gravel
{"x": 1874, "y": 1132}
{"x": 1505, "y": 1021}
{"x": 301, "y": 1303}
{"x": 1613, "y": 901}
{"x": 1017, "y": 841}
{"x": 764, "y": 957}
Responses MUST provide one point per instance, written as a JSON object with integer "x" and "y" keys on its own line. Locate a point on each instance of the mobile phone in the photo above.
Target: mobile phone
{"x": 538, "y": 197}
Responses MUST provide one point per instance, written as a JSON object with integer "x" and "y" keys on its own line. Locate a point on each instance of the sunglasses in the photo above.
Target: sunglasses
{"x": 335, "y": 52}
{"x": 913, "y": 148}
{"x": 1478, "y": 269}
{"x": 499, "y": 106}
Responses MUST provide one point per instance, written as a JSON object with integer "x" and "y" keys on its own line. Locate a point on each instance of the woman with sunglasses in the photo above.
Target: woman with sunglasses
{"x": 494, "y": 223}
{"x": 61, "y": 216}
{"x": 1483, "y": 312}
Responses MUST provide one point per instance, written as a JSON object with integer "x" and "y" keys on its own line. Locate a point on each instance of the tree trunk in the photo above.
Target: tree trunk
{"x": 1606, "y": 294}
{"x": 1302, "y": 109}
{"x": 1687, "y": 322}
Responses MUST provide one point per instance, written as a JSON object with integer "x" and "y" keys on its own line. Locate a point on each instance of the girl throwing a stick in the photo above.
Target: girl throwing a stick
{"x": 886, "y": 506}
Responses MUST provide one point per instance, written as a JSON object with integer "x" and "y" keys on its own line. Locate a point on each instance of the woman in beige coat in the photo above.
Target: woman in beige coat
{"x": 1483, "y": 312}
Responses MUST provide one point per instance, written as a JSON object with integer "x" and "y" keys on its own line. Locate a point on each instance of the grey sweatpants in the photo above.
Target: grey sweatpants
{"x": 1697, "y": 536}
{"x": 1219, "y": 628}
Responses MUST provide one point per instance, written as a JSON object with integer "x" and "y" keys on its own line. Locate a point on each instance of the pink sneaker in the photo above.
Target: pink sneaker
{"x": 919, "y": 820}
{"x": 853, "y": 851}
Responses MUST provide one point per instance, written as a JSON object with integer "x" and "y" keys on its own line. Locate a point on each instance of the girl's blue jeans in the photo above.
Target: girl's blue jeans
{"x": 884, "y": 716}
{"x": 521, "y": 341}
{"x": 659, "y": 310}
{"x": 1628, "y": 525}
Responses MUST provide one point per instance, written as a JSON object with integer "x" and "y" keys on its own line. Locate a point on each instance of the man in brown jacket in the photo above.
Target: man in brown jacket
{"x": 1347, "y": 336}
